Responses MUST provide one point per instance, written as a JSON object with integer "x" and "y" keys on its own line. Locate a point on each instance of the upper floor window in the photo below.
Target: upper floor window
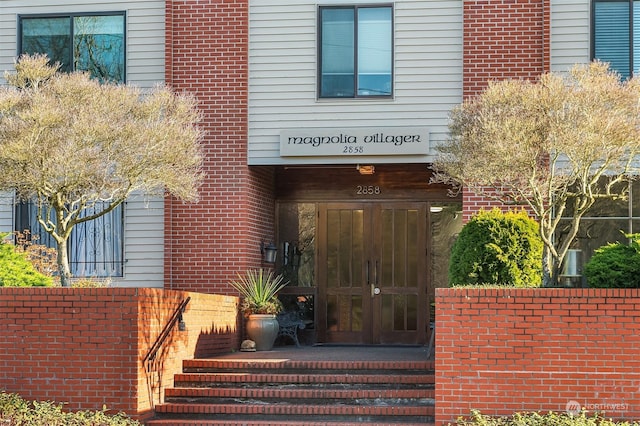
{"x": 82, "y": 42}
{"x": 616, "y": 34}
{"x": 356, "y": 51}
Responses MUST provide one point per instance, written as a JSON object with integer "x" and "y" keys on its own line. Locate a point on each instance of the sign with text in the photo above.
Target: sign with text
{"x": 358, "y": 141}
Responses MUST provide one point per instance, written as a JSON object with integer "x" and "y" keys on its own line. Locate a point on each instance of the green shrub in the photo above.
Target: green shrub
{"x": 16, "y": 270}
{"x": 615, "y": 265}
{"x": 537, "y": 419}
{"x": 15, "y": 411}
{"x": 499, "y": 249}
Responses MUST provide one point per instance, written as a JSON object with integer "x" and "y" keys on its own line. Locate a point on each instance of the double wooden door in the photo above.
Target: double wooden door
{"x": 372, "y": 273}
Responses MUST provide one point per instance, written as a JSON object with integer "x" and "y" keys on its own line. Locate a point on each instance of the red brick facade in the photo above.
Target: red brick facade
{"x": 86, "y": 346}
{"x": 502, "y": 39}
{"x": 502, "y": 351}
{"x": 207, "y": 54}
{"x": 207, "y": 243}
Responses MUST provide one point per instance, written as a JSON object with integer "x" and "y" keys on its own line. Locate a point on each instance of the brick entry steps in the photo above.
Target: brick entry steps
{"x": 299, "y": 392}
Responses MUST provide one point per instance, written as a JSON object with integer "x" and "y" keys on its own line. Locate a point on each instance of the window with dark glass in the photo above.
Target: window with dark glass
{"x": 94, "y": 43}
{"x": 356, "y": 51}
{"x": 607, "y": 221}
{"x": 616, "y": 34}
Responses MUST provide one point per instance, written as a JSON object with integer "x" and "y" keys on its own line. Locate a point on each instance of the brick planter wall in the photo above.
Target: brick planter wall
{"x": 86, "y": 346}
{"x": 506, "y": 350}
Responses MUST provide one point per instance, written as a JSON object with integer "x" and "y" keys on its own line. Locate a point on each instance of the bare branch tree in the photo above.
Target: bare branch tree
{"x": 69, "y": 144}
{"x": 555, "y": 145}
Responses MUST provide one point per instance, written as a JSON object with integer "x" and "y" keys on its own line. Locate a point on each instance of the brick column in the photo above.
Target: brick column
{"x": 208, "y": 242}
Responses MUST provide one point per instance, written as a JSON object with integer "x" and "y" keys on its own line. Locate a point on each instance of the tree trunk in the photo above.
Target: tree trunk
{"x": 63, "y": 264}
{"x": 547, "y": 265}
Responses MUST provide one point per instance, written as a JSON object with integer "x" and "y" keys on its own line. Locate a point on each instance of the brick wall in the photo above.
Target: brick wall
{"x": 207, "y": 243}
{"x": 86, "y": 346}
{"x": 506, "y": 350}
{"x": 502, "y": 39}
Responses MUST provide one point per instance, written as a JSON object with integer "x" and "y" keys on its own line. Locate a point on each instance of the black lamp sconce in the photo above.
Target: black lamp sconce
{"x": 182, "y": 326}
{"x": 268, "y": 252}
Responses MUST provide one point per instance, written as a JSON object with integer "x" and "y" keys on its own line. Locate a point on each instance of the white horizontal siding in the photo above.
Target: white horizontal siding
{"x": 144, "y": 243}
{"x": 145, "y": 32}
{"x": 7, "y": 210}
{"x": 283, "y": 72}
{"x": 570, "y": 33}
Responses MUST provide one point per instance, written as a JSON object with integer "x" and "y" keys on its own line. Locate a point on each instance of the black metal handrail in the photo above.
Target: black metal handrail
{"x": 176, "y": 317}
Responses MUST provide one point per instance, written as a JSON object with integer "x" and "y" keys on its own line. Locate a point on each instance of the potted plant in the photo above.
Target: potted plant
{"x": 260, "y": 305}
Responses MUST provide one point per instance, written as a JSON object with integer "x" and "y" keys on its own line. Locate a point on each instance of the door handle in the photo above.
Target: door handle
{"x": 375, "y": 290}
{"x": 368, "y": 281}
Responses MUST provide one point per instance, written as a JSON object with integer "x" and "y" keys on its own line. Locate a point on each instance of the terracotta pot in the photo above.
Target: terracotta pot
{"x": 262, "y": 329}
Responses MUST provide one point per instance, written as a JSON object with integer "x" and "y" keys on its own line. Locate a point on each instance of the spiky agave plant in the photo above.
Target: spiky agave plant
{"x": 259, "y": 290}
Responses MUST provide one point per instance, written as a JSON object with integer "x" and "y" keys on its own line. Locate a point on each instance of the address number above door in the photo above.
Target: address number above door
{"x": 354, "y": 142}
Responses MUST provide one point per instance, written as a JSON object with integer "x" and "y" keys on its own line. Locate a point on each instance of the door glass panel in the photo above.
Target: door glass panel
{"x": 399, "y": 233}
{"x": 296, "y": 258}
{"x": 446, "y": 223}
{"x": 344, "y": 313}
{"x": 344, "y": 248}
{"x": 357, "y": 246}
{"x": 412, "y": 248}
{"x": 387, "y": 312}
{"x": 399, "y": 248}
{"x": 332, "y": 312}
{"x": 296, "y": 235}
{"x": 333, "y": 247}
{"x": 348, "y": 250}
{"x": 399, "y": 312}
{"x": 412, "y": 313}
{"x": 356, "y": 313}
{"x": 386, "y": 247}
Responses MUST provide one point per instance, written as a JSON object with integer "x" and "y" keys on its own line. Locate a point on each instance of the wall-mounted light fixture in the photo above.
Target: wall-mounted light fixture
{"x": 268, "y": 252}
{"x": 366, "y": 170}
{"x": 182, "y": 326}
